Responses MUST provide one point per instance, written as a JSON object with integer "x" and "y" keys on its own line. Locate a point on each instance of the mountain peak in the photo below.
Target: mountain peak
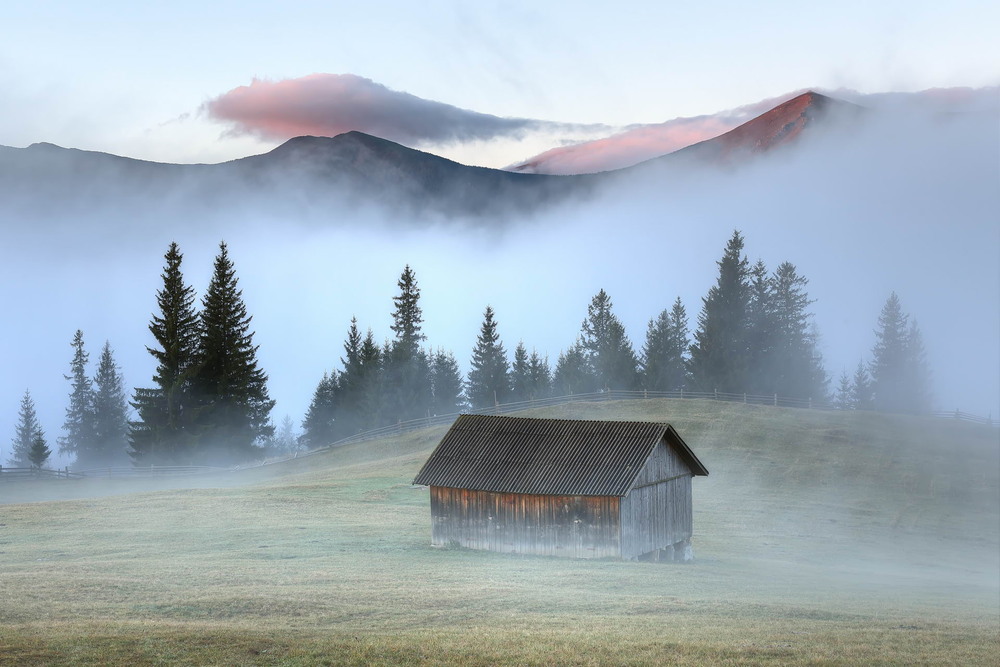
{"x": 779, "y": 126}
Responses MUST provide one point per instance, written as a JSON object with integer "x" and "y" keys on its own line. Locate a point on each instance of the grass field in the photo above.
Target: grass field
{"x": 820, "y": 538}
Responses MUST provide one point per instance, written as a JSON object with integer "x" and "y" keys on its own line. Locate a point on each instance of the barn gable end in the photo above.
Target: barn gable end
{"x": 584, "y": 489}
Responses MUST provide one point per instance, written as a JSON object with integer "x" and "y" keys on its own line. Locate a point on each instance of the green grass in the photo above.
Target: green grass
{"x": 820, "y": 538}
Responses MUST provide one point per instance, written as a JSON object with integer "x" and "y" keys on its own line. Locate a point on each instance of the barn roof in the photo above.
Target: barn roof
{"x": 547, "y": 456}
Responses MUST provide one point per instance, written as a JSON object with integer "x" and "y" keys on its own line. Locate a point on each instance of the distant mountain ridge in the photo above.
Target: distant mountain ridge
{"x": 360, "y": 169}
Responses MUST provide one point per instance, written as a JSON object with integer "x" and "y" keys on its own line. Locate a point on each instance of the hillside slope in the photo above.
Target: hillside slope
{"x": 820, "y": 538}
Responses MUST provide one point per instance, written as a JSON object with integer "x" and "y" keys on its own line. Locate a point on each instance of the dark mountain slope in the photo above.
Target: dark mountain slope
{"x": 782, "y": 126}
{"x": 306, "y": 171}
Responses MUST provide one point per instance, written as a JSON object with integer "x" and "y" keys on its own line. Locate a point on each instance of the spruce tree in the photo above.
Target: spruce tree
{"x": 231, "y": 388}
{"x": 843, "y": 398}
{"x": 407, "y": 380}
{"x": 285, "y": 440}
{"x": 664, "y": 356}
{"x": 900, "y": 379}
{"x": 609, "y": 353}
{"x": 520, "y": 375}
{"x": 350, "y": 383}
{"x": 861, "y": 389}
{"x": 40, "y": 451}
{"x": 164, "y": 431}
{"x": 489, "y": 372}
{"x": 760, "y": 334}
{"x": 888, "y": 366}
{"x": 318, "y": 427}
{"x": 446, "y": 380}
{"x": 719, "y": 358}
{"x": 25, "y": 431}
{"x": 918, "y": 371}
{"x": 541, "y": 376}
{"x": 795, "y": 366}
{"x": 110, "y": 414}
{"x": 79, "y": 440}
{"x": 371, "y": 402}
{"x": 572, "y": 374}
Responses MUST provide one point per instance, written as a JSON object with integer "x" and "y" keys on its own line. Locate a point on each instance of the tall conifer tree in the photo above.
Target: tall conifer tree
{"x": 760, "y": 334}
{"x": 234, "y": 406}
{"x": 371, "y": 403}
{"x": 795, "y": 367}
{"x": 446, "y": 380}
{"x": 541, "y": 376}
{"x": 318, "y": 427}
{"x": 609, "y": 353}
{"x": 861, "y": 389}
{"x": 110, "y": 413}
{"x": 489, "y": 372}
{"x": 407, "y": 376}
{"x": 350, "y": 383}
{"x": 25, "y": 433}
{"x": 80, "y": 437}
{"x": 520, "y": 375}
{"x": 899, "y": 374}
{"x": 664, "y": 356}
{"x": 719, "y": 359}
{"x": 164, "y": 431}
{"x": 572, "y": 374}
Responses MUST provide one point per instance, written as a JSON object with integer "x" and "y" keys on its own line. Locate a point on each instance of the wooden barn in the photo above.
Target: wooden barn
{"x": 556, "y": 487}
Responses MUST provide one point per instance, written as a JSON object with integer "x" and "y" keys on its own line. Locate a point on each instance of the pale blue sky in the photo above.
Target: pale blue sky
{"x": 130, "y": 78}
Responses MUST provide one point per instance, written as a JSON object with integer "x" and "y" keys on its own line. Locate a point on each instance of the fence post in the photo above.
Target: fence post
{"x": 716, "y": 394}
{"x": 775, "y": 400}
{"x": 744, "y": 398}
{"x": 810, "y": 402}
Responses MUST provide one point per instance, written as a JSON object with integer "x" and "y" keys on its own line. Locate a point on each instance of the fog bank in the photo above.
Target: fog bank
{"x": 904, "y": 203}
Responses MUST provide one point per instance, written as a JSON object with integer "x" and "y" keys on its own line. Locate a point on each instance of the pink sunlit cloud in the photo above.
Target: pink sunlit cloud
{"x": 331, "y": 104}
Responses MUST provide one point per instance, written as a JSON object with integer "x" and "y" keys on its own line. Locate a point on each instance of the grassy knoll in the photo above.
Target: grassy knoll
{"x": 820, "y": 538}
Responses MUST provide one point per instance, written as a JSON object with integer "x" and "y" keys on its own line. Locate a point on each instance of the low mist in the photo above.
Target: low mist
{"x": 905, "y": 203}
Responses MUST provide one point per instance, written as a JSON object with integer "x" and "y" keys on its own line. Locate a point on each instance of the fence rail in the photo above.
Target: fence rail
{"x": 37, "y": 473}
{"x": 150, "y": 471}
{"x": 121, "y": 471}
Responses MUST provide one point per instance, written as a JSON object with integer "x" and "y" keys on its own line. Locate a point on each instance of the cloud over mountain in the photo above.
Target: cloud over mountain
{"x": 331, "y": 104}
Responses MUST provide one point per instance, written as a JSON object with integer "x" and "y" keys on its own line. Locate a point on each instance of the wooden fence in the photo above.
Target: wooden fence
{"x": 10, "y": 474}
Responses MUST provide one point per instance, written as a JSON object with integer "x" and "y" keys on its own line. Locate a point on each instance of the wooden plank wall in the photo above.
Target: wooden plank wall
{"x": 658, "y": 510}
{"x": 656, "y": 516}
{"x": 571, "y": 526}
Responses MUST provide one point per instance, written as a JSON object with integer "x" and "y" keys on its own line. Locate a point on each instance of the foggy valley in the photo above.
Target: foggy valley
{"x": 900, "y": 201}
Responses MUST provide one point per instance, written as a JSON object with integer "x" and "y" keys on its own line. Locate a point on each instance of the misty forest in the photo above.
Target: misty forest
{"x": 208, "y": 402}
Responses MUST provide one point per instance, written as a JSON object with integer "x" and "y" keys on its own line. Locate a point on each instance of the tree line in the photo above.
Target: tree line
{"x": 207, "y": 401}
{"x": 755, "y": 334}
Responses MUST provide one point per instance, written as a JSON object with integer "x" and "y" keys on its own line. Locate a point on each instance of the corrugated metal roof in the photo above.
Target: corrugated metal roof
{"x": 546, "y": 456}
